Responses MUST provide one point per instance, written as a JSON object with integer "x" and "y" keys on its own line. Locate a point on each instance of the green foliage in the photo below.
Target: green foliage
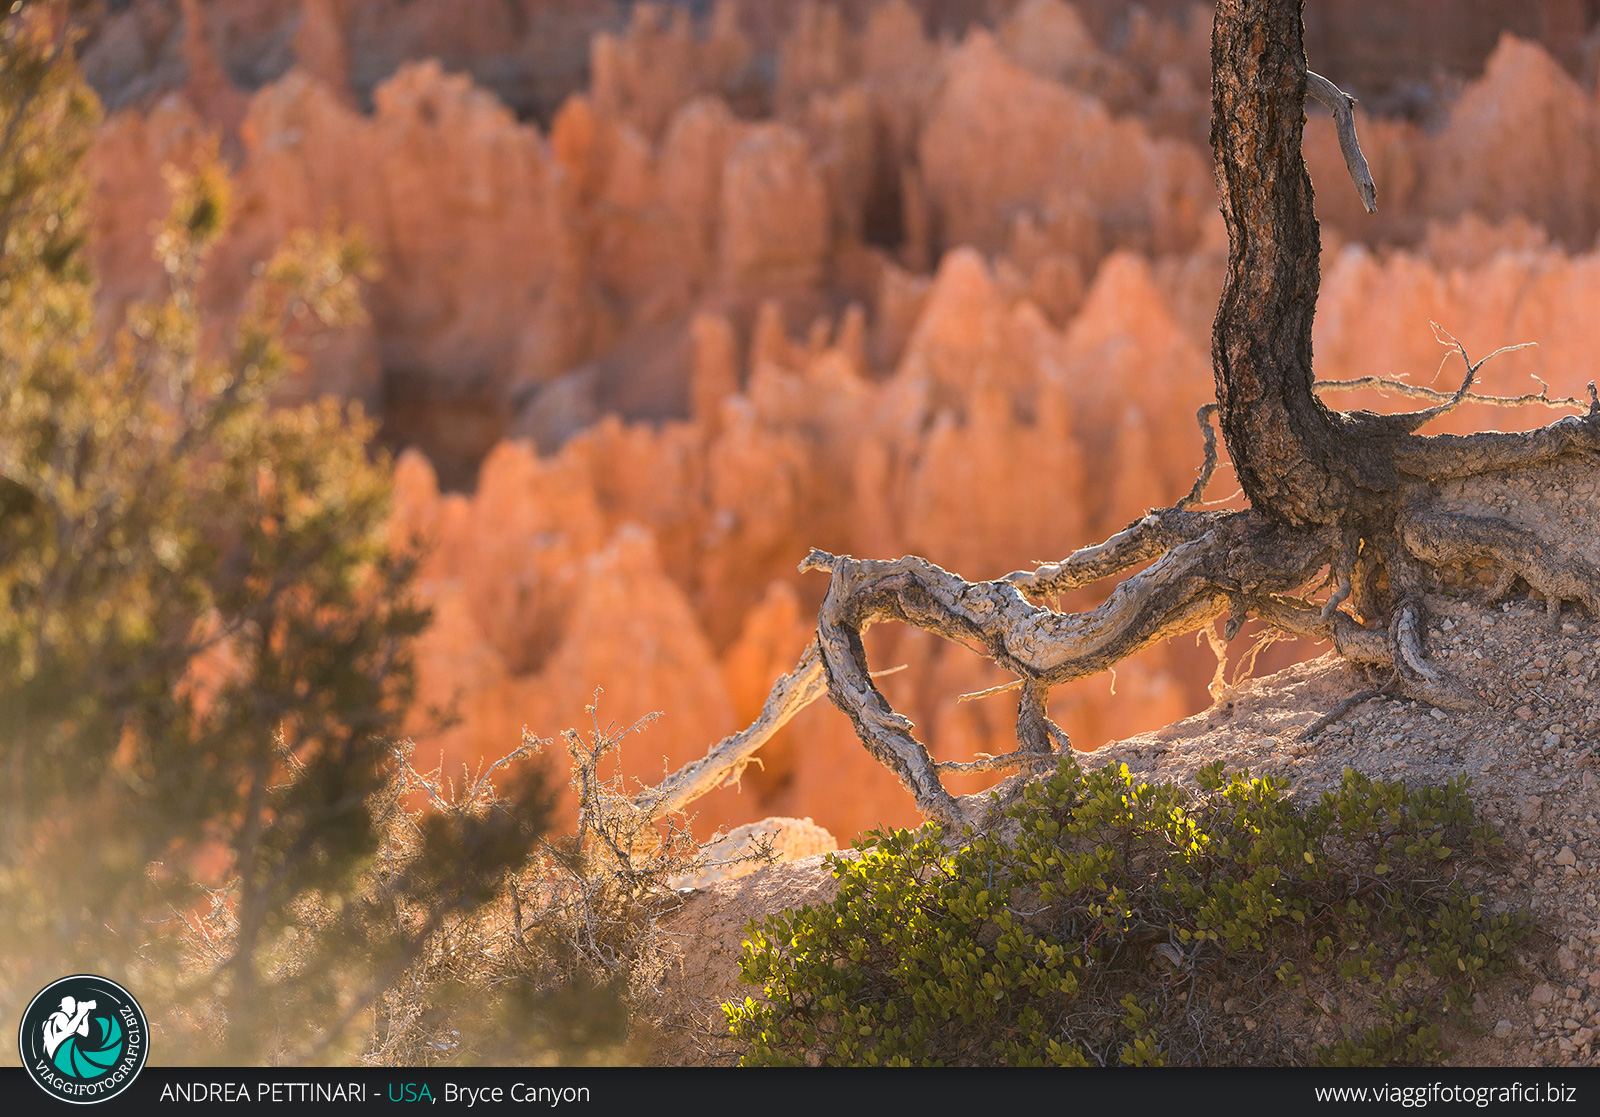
{"x": 204, "y": 634}
{"x": 1137, "y": 924}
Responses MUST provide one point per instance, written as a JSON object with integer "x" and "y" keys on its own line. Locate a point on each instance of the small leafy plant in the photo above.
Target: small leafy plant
{"x": 1131, "y": 923}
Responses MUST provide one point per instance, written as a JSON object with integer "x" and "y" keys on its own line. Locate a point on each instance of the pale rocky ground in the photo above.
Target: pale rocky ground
{"x": 1531, "y": 750}
{"x": 753, "y": 847}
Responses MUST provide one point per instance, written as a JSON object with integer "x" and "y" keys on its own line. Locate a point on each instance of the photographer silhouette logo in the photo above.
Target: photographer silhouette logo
{"x": 83, "y": 1039}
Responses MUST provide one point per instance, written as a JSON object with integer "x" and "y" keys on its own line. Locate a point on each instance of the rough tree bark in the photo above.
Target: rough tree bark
{"x": 1345, "y": 502}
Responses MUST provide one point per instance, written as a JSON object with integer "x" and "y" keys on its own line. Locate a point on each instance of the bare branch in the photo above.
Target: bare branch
{"x": 1414, "y": 420}
{"x": 1541, "y": 398}
{"x": 1344, "y": 120}
{"x": 973, "y": 696}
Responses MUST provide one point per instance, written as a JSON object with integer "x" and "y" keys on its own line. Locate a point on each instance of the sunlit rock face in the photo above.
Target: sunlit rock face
{"x": 665, "y": 303}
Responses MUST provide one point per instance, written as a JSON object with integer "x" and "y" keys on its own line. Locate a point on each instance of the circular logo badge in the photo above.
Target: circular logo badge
{"x": 83, "y": 1039}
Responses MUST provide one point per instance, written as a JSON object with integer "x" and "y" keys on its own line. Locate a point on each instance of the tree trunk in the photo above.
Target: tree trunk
{"x": 1284, "y": 442}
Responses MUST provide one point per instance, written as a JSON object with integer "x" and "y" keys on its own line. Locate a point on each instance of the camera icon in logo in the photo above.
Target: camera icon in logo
{"x": 83, "y": 1039}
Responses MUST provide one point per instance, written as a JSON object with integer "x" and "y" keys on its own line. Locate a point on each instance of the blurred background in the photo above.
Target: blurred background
{"x": 672, "y": 292}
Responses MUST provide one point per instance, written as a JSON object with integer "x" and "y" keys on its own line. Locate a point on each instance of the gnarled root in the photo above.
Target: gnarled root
{"x": 728, "y": 757}
{"x": 1452, "y": 538}
{"x": 1189, "y": 585}
{"x": 1417, "y": 678}
{"x": 1206, "y": 565}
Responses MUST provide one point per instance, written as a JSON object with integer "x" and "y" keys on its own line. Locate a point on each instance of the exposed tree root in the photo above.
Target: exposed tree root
{"x": 727, "y": 759}
{"x": 1206, "y": 565}
{"x": 1444, "y": 538}
{"x": 1344, "y": 708}
{"x": 1189, "y": 585}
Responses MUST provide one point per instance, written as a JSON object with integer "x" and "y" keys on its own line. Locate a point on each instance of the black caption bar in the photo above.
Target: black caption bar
{"x": 766, "y": 1093}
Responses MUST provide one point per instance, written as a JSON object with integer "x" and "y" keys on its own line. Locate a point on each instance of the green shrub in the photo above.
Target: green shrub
{"x": 1139, "y": 924}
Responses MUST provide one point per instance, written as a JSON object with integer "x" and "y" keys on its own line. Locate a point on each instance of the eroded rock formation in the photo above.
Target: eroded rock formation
{"x": 950, "y": 297}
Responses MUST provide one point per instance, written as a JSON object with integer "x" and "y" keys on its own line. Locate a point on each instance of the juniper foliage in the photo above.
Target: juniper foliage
{"x": 1133, "y": 923}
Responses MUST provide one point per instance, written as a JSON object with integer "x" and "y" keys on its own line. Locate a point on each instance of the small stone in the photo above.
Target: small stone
{"x": 1530, "y": 808}
{"x": 1524, "y": 713}
{"x": 1233, "y": 1006}
{"x": 1567, "y": 959}
{"x": 1543, "y": 994}
{"x": 1594, "y": 979}
{"x": 1502, "y": 1029}
{"x": 1437, "y": 714}
{"x": 1583, "y": 1037}
{"x": 1566, "y": 856}
{"x": 1249, "y": 1024}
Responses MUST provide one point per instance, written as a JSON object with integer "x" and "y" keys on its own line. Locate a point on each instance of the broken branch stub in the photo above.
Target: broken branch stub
{"x": 1343, "y": 106}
